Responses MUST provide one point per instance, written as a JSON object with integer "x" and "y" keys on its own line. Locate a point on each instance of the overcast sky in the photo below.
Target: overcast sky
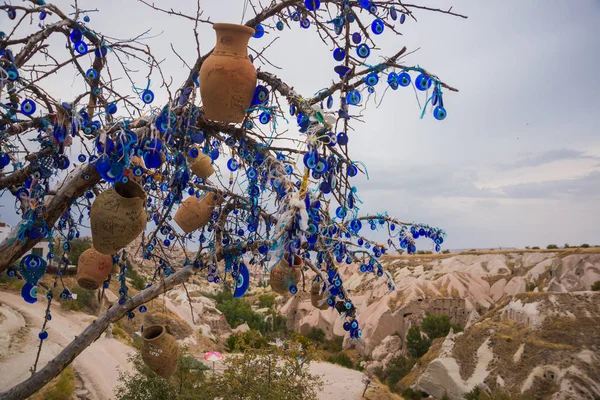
{"x": 516, "y": 162}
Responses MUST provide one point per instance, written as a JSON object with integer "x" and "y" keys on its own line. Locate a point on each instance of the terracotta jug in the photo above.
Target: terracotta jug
{"x": 118, "y": 216}
{"x": 227, "y": 76}
{"x": 160, "y": 350}
{"x": 283, "y": 276}
{"x": 201, "y": 165}
{"x": 195, "y": 212}
{"x": 316, "y": 296}
{"x": 93, "y": 268}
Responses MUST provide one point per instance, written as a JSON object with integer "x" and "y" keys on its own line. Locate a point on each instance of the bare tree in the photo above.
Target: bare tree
{"x": 272, "y": 205}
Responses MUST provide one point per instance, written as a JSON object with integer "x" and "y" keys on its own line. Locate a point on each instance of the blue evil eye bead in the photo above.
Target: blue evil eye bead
{"x": 312, "y": 5}
{"x": 43, "y": 335}
{"x": 339, "y": 54}
{"x": 242, "y": 282}
{"x": 12, "y": 13}
{"x": 393, "y": 13}
{"x": 11, "y": 272}
{"x": 354, "y": 325}
{"x": 342, "y": 70}
{"x": 63, "y": 162}
{"x": 197, "y": 137}
{"x": 364, "y": 268}
{"x": 259, "y": 31}
{"x": 365, "y": 3}
{"x": 194, "y": 152}
{"x": 91, "y": 74}
{"x": 112, "y": 108}
{"x": 101, "y": 52}
{"x": 356, "y": 38}
{"x": 251, "y": 173}
{"x": 352, "y": 170}
{"x": 279, "y": 25}
{"x": 342, "y": 138}
{"x": 305, "y": 23}
{"x": 293, "y": 289}
{"x": 43, "y": 15}
{"x": 265, "y": 117}
{"x": 292, "y": 109}
{"x": 439, "y": 113}
{"x": 12, "y": 73}
{"x": 377, "y": 26}
{"x": 340, "y": 212}
{"x": 152, "y": 159}
{"x": 81, "y": 47}
{"x": 363, "y": 51}
{"x": 373, "y": 8}
{"x": 29, "y": 293}
{"x": 372, "y": 79}
{"x": 27, "y": 107}
{"x": 402, "y": 18}
{"x": 214, "y": 154}
{"x": 355, "y": 225}
{"x": 86, "y": 19}
{"x": 404, "y": 79}
{"x": 137, "y": 171}
{"x": 143, "y": 309}
{"x": 353, "y": 97}
{"x": 233, "y": 165}
{"x": 76, "y": 35}
{"x": 329, "y": 102}
{"x": 147, "y": 96}
{"x": 261, "y": 95}
{"x": 423, "y": 82}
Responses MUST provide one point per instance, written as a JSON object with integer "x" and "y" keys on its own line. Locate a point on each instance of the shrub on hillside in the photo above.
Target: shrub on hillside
{"x": 341, "y": 359}
{"x": 552, "y": 246}
{"x": 596, "y": 286}
{"x": 266, "y": 301}
{"x": 86, "y": 300}
{"x": 251, "y": 339}
{"x": 438, "y": 326}
{"x": 416, "y": 345}
{"x": 397, "y": 369}
{"x": 585, "y": 246}
{"x": 535, "y": 248}
{"x": 238, "y": 311}
{"x": 316, "y": 334}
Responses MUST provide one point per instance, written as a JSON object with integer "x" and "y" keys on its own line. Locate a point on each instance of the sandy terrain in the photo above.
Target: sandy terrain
{"x": 20, "y": 324}
{"x": 97, "y": 365}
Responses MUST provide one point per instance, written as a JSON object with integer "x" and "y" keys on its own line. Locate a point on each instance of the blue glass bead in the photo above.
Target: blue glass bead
{"x": 214, "y": 154}
{"x": 342, "y": 138}
{"x": 232, "y": 164}
{"x": 352, "y": 170}
{"x": 28, "y": 107}
{"x": 259, "y": 31}
{"x": 111, "y": 108}
{"x": 404, "y": 79}
{"x": 372, "y": 79}
{"x": 147, "y": 96}
{"x": 43, "y": 15}
{"x": 377, "y": 26}
{"x": 329, "y": 102}
{"x": 43, "y": 335}
{"x": 86, "y": 19}
{"x": 261, "y": 95}
{"x": 76, "y": 36}
{"x": 194, "y": 152}
{"x": 363, "y": 51}
{"x": 393, "y": 13}
{"x": 312, "y": 5}
{"x": 392, "y": 80}
{"x": 293, "y": 289}
{"x": 339, "y": 54}
{"x": 305, "y": 23}
{"x": 81, "y": 47}
{"x": 197, "y": 137}
{"x": 402, "y": 18}
{"x": 423, "y": 82}
{"x": 279, "y": 25}
{"x": 356, "y": 38}
{"x": 101, "y": 52}
{"x": 439, "y": 113}
{"x": 342, "y": 70}
{"x": 353, "y": 97}
{"x": 91, "y": 74}
{"x": 13, "y": 74}
{"x": 265, "y": 117}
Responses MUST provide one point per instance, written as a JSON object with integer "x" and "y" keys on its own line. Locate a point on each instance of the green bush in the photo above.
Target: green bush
{"x": 552, "y": 246}
{"x": 316, "y": 334}
{"x": 238, "y": 311}
{"x": 137, "y": 281}
{"x": 438, "y": 326}
{"x": 585, "y": 246}
{"x": 251, "y": 339}
{"x": 397, "y": 369}
{"x": 410, "y": 394}
{"x": 535, "y": 248}
{"x": 78, "y": 246}
{"x": 596, "y": 286}
{"x": 266, "y": 301}
{"x": 86, "y": 300}
{"x": 530, "y": 286}
{"x": 416, "y": 345}
{"x": 341, "y": 359}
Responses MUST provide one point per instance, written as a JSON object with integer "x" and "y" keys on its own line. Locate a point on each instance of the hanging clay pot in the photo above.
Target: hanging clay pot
{"x": 93, "y": 268}
{"x": 195, "y": 212}
{"x": 201, "y": 165}
{"x": 227, "y": 76}
{"x": 117, "y": 217}
{"x": 160, "y": 350}
{"x": 316, "y": 296}
{"x": 283, "y": 276}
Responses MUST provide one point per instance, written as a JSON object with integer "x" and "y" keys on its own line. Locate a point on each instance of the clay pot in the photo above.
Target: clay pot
{"x": 93, "y": 269}
{"x": 227, "y": 76}
{"x": 160, "y": 350}
{"x": 118, "y": 216}
{"x": 201, "y": 165}
{"x": 316, "y": 296}
{"x": 283, "y": 276}
{"x": 195, "y": 212}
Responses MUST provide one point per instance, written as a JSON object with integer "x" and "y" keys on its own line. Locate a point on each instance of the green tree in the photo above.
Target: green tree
{"x": 596, "y": 286}
{"x": 552, "y": 246}
{"x": 238, "y": 311}
{"x": 438, "y": 326}
{"x": 78, "y": 246}
{"x": 266, "y": 301}
{"x": 416, "y": 345}
{"x": 397, "y": 369}
{"x": 585, "y": 246}
{"x": 567, "y": 245}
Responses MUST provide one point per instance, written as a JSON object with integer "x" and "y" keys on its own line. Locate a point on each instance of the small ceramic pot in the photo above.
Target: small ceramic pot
{"x": 195, "y": 212}
{"x": 93, "y": 269}
{"x": 283, "y": 276}
{"x": 316, "y": 296}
